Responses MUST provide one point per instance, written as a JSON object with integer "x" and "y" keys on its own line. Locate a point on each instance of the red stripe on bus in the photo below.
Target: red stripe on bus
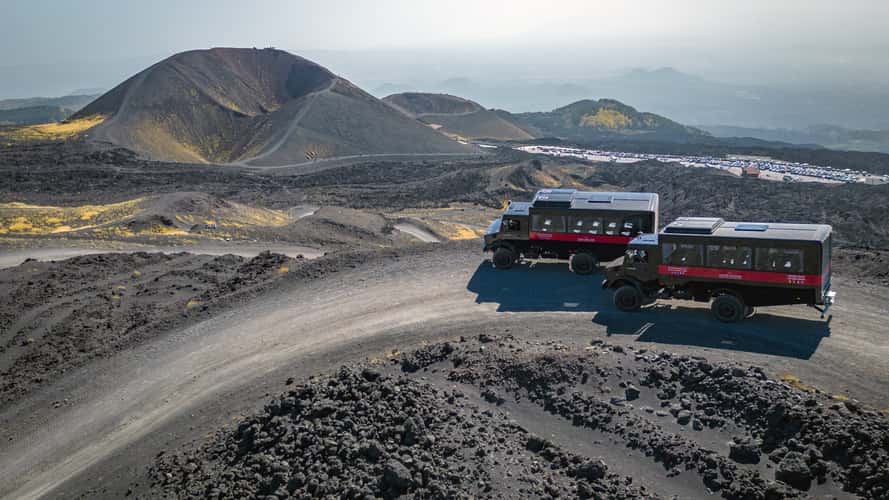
{"x": 581, "y": 238}
{"x": 741, "y": 275}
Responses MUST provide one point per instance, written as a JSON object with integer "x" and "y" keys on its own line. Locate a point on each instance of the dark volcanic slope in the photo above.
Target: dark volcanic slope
{"x": 459, "y": 117}
{"x": 608, "y": 119}
{"x": 420, "y": 103}
{"x": 503, "y": 418}
{"x": 229, "y": 104}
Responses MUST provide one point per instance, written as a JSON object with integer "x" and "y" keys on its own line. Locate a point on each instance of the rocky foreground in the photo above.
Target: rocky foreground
{"x": 58, "y": 316}
{"x": 499, "y": 417}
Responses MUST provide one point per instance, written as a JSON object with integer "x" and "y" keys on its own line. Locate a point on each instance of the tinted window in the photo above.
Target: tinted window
{"x": 683, "y": 254}
{"x": 729, "y": 256}
{"x": 548, "y": 223}
{"x": 780, "y": 260}
{"x": 511, "y": 225}
{"x": 632, "y": 226}
{"x": 612, "y": 227}
{"x": 584, "y": 225}
{"x": 636, "y": 255}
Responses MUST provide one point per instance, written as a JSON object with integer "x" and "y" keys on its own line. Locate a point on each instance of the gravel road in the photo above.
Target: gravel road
{"x": 117, "y": 414}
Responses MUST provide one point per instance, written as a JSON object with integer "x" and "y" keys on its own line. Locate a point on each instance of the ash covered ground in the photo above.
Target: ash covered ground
{"x": 495, "y": 417}
{"x": 490, "y": 416}
{"x": 57, "y": 316}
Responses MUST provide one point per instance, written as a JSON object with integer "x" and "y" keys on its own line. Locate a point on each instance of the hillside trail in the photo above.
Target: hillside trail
{"x": 417, "y": 231}
{"x": 321, "y": 164}
{"x": 129, "y": 399}
{"x": 311, "y": 97}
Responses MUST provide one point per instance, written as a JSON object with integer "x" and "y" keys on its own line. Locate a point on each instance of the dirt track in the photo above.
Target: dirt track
{"x": 122, "y": 411}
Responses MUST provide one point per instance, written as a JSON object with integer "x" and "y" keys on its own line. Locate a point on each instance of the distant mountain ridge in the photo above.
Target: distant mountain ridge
{"x": 589, "y": 119}
{"x": 584, "y": 120}
{"x": 72, "y": 102}
{"x": 419, "y": 104}
{"x": 35, "y": 110}
{"x": 264, "y": 107}
{"x": 828, "y": 136}
{"x": 457, "y": 117}
{"x": 683, "y": 97}
{"x": 33, "y": 114}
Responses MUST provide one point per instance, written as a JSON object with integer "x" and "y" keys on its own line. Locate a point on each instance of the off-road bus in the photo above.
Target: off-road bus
{"x": 582, "y": 227}
{"x": 737, "y": 265}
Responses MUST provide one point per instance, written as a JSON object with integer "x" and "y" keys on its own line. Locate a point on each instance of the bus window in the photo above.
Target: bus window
{"x": 548, "y": 223}
{"x": 634, "y": 255}
{"x": 584, "y": 225}
{"x": 730, "y": 257}
{"x": 611, "y": 227}
{"x": 780, "y": 260}
{"x": 647, "y": 221}
{"x": 510, "y": 225}
{"x": 632, "y": 226}
{"x": 682, "y": 254}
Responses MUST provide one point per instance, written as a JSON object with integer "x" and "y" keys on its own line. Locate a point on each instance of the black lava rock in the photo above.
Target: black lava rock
{"x": 794, "y": 471}
{"x": 396, "y": 477}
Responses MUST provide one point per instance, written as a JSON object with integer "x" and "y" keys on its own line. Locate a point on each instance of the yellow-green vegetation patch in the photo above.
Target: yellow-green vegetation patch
{"x": 244, "y": 215}
{"x": 457, "y": 231}
{"x": 52, "y": 131}
{"x": 606, "y": 118}
{"x": 795, "y": 382}
{"x": 160, "y": 229}
{"x": 22, "y": 218}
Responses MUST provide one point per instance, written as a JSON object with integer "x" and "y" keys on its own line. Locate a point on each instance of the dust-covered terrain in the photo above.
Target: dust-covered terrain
{"x": 81, "y": 176}
{"x": 161, "y": 398}
{"x": 496, "y": 417}
{"x": 152, "y": 373}
{"x": 56, "y": 316}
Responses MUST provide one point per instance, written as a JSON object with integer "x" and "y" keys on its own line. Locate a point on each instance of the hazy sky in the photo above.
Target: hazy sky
{"x": 91, "y": 42}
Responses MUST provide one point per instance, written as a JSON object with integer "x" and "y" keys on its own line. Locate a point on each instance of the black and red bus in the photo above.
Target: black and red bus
{"x": 583, "y": 227}
{"x": 737, "y": 265}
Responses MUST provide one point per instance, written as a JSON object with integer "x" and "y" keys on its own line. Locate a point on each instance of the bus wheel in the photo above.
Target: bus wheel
{"x": 628, "y": 298}
{"x": 728, "y": 309}
{"x": 583, "y": 263}
{"x": 504, "y": 258}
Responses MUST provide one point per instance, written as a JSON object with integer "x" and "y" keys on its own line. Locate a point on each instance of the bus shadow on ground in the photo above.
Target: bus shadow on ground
{"x": 538, "y": 287}
{"x": 550, "y": 287}
{"x": 764, "y": 333}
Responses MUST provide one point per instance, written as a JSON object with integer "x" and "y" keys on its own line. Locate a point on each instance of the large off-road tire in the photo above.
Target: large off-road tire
{"x": 504, "y": 258}
{"x": 728, "y": 309}
{"x": 628, "y": 298}
{"x": 583, "y": 263}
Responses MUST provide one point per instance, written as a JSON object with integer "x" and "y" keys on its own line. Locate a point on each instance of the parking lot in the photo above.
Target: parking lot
{"x": 770, "y": 169}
